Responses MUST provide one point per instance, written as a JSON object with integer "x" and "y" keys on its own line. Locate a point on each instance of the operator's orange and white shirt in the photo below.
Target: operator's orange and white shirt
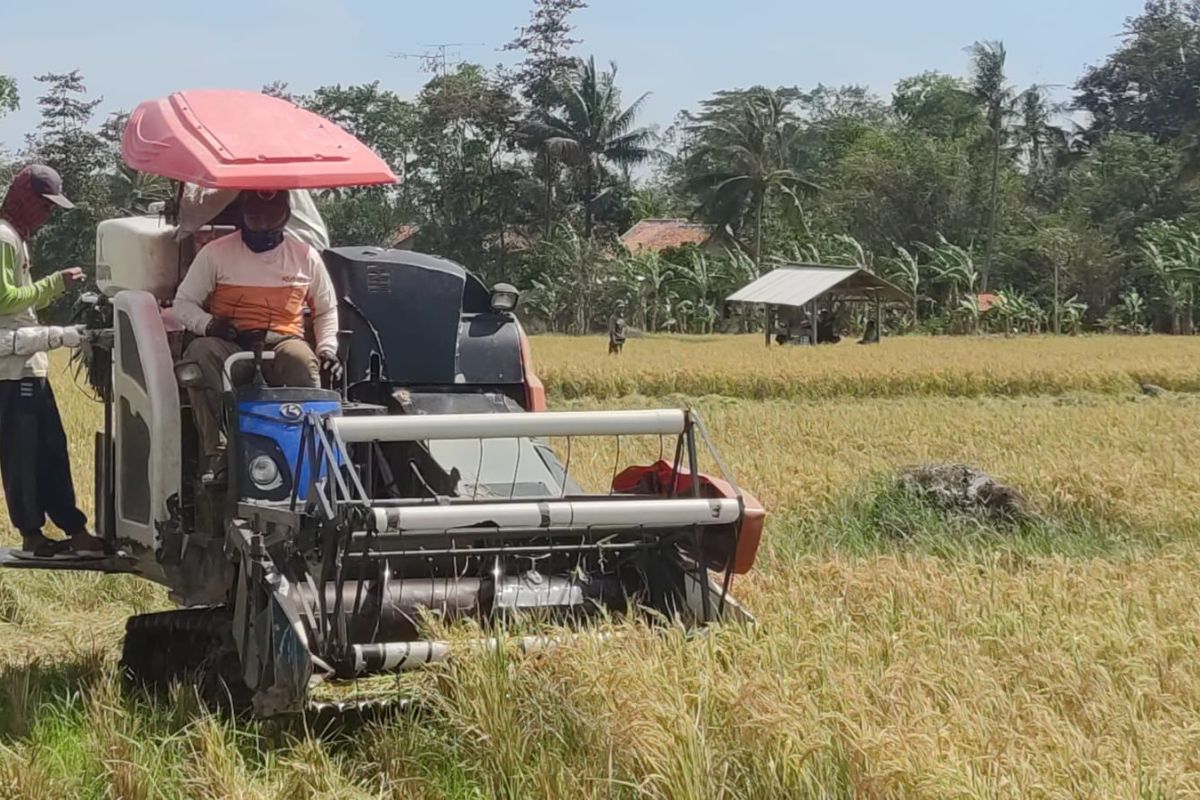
{"x": 259, "y": 291}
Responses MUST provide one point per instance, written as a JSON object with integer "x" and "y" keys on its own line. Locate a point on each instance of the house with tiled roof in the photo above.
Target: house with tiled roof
{"x": 657, "y": 235}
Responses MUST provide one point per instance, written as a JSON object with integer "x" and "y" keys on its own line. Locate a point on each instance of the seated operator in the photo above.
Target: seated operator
{"x": 252, "y": 287}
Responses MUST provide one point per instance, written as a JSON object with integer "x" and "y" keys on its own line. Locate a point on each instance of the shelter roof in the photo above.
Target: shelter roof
{"x": 798, "y": 284}
{"x": 233, "y": 139}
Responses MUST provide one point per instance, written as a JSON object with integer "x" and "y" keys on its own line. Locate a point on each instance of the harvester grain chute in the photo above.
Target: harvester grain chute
{"x": 424, "y": 486}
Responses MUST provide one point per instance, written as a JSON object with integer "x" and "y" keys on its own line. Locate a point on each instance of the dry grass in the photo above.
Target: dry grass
{"x": 739, "y": 366}
{"x": 899, "y": 654}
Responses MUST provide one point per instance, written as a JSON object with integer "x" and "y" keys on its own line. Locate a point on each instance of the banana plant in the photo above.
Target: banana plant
{"x": 904, "y": 270}
{"x": 1071, "y": 313}
{"x": 700, "y": 283}
{"x": 1170, "y": 258}
{"x": 649, "y": 278}
{"x": 953, "y": 267}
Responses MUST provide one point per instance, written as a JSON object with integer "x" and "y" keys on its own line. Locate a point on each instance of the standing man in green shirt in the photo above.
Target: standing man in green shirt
{"x": 34, "y": 463}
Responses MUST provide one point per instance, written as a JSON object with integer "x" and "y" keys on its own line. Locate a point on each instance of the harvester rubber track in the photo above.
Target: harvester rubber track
{"x": 186, "y": 645}
{"x": 195, "y": 646}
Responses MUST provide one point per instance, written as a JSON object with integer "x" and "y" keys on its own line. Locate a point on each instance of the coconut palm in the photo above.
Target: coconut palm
{"x": 589, "y": 131}
{"x": 998, "y": 99}
{"x": 748, "y": 154}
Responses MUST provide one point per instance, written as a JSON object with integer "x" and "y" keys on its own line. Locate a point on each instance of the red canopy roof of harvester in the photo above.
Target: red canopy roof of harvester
{"x": 231, "y": 139}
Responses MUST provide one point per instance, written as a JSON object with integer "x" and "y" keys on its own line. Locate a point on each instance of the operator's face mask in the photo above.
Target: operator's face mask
{"x": 262, "y": 241}
{"x": 264, "y": 218}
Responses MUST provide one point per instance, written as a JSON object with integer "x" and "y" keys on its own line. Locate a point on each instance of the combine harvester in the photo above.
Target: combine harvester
{"x": 422, "y": 487}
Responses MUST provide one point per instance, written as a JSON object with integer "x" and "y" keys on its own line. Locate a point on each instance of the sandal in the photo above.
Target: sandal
{"x": 85, "y": 544}
{"x": 41, "y": 546}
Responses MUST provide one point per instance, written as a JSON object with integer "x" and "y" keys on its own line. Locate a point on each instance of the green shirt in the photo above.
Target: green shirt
{"x": 20, "y": 297}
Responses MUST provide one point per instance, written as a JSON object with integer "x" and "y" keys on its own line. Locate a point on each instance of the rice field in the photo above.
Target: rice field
{"x": 899, "y": 652}
{"x": 740, "y": 366}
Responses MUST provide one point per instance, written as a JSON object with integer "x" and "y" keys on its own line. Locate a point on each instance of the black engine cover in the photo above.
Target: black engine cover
{"x": 414, "y": 301}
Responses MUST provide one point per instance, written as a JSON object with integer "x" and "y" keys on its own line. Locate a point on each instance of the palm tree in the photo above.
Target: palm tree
{"x": 1043, "y": 143}
{"x": 749, "y": 156}
{"x": 589, "y": 130}
{"x": 992, "y": 91}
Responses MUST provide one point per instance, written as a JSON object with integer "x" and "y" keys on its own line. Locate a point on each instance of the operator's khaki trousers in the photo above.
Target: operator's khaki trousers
{"x": 295, "y": 364}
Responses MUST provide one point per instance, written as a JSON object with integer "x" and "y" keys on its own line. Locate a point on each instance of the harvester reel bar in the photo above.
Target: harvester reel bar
{"x": 560, "y": 514}
{"x": 508, "y": 426}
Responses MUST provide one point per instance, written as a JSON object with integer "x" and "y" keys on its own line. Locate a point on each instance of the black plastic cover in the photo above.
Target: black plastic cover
{"x": 489, "y": 350}
{"x": 413, "y": 301}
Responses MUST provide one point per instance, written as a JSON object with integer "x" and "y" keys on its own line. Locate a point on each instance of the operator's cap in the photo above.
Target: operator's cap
{"x": 46, "y": 182}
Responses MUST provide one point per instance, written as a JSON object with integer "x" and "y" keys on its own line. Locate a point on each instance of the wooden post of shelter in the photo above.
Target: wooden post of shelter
{"x": 770, "y": 324}
{"x": 813, "y": 315}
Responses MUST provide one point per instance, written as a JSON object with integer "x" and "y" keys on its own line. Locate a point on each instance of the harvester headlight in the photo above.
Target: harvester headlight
{"x": 505, "y": 297}
{"x": 264, "y": 473}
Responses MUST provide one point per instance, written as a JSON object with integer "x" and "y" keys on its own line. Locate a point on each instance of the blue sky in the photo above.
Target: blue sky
{"x": 680, "y": 50}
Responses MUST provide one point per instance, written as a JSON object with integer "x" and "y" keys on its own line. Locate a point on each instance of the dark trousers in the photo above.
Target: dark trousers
{"x": 34, "y": 463}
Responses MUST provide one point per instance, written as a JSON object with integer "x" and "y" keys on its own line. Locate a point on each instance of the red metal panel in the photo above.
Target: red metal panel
{"x": 660, "y": 478}
{"x": 231, "y": 139}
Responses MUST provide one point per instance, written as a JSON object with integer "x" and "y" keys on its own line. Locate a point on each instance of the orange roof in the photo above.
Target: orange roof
{"x": 986, "y": 300}
{"x": 662, "y": 234}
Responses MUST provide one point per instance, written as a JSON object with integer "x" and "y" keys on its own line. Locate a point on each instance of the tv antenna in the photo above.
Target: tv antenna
{"x": 437, "y": 58}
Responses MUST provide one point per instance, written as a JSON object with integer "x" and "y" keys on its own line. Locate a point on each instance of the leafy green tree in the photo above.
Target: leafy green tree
{"x": 385, "y": 123}
{"x": 466, "y": 180}
{"x": 1127, "y": 181}
{"x": 66, "y": 141}
{"x": 938, "y": 105}
{"x": 1150, "y": 84}
{"x": 899, "y": 187}
{"x": 546, "y": 42}
{"x": 10, "y": 98}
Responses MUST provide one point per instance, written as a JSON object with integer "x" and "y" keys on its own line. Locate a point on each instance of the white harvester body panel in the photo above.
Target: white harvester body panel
{"x": 137, "y": 253}
{"x": 145, "y": 419}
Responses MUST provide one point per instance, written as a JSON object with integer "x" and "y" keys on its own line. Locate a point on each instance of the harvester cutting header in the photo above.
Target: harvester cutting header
{"x": 307, "y": 519}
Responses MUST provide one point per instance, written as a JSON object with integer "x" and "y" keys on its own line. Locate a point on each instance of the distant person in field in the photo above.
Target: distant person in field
{"x": 616, "y": 330}
{"x": 34, "y": 463}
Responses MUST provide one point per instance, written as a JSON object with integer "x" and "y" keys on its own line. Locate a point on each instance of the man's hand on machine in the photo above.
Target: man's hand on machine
{"x": 330, "y": 365}
{"x": 71, "y": 276}
{"x": 221, "y": 328}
